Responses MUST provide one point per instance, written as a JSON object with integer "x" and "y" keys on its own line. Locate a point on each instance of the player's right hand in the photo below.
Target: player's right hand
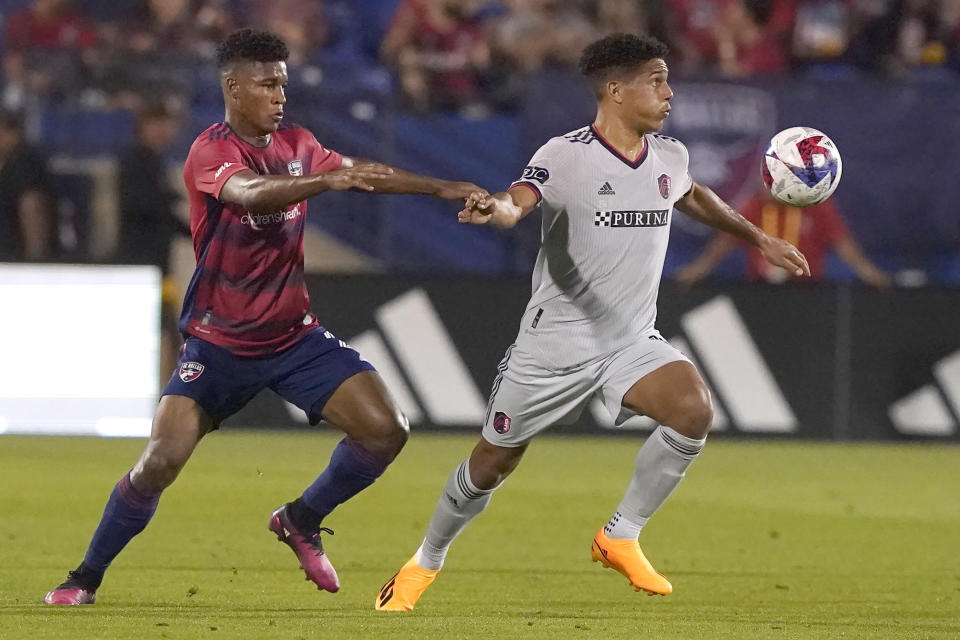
{"x": 359, "y": 176}
{"x": 478, "y": 208}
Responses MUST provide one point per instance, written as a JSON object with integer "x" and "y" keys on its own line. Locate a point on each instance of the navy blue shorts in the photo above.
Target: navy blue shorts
{"x": 306, "y": 374}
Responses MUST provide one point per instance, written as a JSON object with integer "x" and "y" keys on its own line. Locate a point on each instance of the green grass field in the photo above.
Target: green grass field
{"x": 762, "y": 540}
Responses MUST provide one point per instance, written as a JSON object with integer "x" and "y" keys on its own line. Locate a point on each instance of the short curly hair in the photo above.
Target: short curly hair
{"x": 251, "y": 45}
{"x": 618, "y": 54}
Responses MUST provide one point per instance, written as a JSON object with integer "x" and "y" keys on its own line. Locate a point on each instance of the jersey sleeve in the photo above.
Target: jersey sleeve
{"x": 214, "y": 162}
{"x": 547, "y": 172}
{"x": 324, "y": 159}
{"x": 685, "y": 183}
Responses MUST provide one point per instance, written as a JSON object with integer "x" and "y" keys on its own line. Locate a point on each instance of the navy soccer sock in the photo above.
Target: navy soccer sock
{"x": 351, "y": 470}
{"x": 127, "y": 513}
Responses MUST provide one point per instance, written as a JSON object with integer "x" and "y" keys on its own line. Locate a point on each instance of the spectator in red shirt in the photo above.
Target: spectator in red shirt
{"x": 48, "y": 24}
{"x": 693, "y": 24}
{"x": 814, "y": 231}
{"x": 752, "y": 37}
{"x": 439, "y": 54}
{"x": 45, "y": 45}
{"x": 739, "y": 37}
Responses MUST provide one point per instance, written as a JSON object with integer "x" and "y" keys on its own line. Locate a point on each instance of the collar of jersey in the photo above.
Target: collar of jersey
{"x": 227, "y": 127}
{"x": 633, "y": 164}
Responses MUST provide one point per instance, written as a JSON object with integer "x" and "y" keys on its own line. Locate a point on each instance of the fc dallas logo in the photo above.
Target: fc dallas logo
{"x": 190, "y": 371}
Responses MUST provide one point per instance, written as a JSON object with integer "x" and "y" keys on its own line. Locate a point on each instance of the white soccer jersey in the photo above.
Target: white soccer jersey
{"x": 605, "y": 227}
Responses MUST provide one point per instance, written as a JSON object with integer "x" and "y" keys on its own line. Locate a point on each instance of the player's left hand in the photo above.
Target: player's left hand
{"x": 781, "y": 253}
{"x": 458, "y": 190}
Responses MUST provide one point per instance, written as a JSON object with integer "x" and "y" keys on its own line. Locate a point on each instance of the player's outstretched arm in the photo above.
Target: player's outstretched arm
{"x": 502, "y": 210}
{"x": 256, "y": 192}
{"x": 705, "y": 206}
{"x": 400, "y": 181}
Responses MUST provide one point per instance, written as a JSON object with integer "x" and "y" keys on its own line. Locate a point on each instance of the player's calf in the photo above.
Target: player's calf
{"x": 179, "y": 425}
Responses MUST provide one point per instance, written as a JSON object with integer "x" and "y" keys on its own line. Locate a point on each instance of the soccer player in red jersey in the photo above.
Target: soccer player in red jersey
{"x": 246, "y": 316}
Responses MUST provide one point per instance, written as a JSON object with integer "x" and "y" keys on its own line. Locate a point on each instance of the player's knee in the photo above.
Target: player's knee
{"x": 387, "y": 433}
{"x": 158, "y": 468}
{"x": 490, "y": 467}
{"x": 693, "y": 413}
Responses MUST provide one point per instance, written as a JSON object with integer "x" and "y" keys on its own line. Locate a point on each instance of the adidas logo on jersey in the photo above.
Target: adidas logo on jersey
{"x": 606, "y": 190}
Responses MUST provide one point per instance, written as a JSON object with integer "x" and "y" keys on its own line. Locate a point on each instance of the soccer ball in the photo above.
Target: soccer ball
{"x": 801, "y": 167}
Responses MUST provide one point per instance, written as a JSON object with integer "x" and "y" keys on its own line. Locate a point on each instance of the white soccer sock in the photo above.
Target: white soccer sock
{"x": 661, "y": 464}
{"x": 460, "y": 502}
{"x": 624, "y": 528}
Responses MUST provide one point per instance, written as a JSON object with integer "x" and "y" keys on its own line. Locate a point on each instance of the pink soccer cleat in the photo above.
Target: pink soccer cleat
{"x": 308, "y": 548}
{"x": 75, "y": 590}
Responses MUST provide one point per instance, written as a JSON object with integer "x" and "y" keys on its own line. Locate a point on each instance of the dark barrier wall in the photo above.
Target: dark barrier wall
{"x": 807, "y": 361}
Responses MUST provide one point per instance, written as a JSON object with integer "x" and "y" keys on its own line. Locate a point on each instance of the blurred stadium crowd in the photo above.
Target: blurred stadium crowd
{"x": 467, "y": 54}
{"x": 134, "y": 80}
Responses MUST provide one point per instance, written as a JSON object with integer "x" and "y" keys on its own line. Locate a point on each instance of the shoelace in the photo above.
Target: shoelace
{"x": 74, "y": 579}
{"x": 314, "y": 540}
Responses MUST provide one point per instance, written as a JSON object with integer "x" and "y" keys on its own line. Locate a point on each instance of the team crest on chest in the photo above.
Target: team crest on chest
{"x": 190, "y": 371}
{"x": 295, "y": 168}
{"x": 664, "y": 183}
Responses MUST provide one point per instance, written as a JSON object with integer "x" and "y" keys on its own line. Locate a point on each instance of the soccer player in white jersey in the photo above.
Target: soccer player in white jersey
{"x": 606, "y": 194}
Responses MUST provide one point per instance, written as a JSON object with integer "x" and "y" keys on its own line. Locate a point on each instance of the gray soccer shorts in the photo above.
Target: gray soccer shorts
{"x": 529, "y": 396}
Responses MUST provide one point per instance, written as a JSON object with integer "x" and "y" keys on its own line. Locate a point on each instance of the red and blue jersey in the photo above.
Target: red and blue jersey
{"x": 248, "y": 293}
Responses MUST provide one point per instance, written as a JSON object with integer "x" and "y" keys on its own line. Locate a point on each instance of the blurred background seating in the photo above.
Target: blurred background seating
{"x": 469, "y": 89}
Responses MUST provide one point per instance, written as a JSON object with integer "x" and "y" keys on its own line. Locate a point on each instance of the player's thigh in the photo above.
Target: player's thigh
{"x": 178, "y": 426}
{"x": 528, "y": 397}
{"x": 329, "y": 380}
{"x": 674, "y": 395}
{"x": 318, "y": 368}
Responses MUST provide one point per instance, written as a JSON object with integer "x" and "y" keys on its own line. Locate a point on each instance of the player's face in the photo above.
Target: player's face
{"x": 260, "y": 94}
{"x": 646, "y": 97}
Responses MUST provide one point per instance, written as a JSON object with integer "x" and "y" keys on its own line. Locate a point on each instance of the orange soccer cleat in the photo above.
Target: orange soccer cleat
{"x": 404, "y": 589}
{"x": 626, "y": 557}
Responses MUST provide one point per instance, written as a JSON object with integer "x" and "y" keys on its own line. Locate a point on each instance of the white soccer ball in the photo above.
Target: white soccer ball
{"x": 801, "y": 167}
